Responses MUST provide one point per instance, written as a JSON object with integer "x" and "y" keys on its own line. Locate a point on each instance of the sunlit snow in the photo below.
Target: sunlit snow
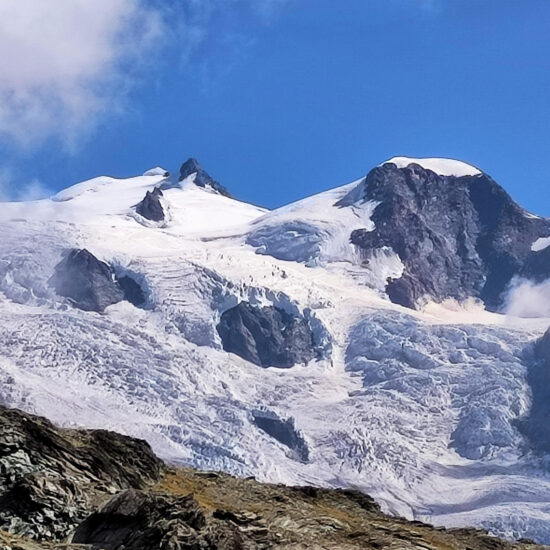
{"x": 441, "y": 166}
{"x": 417, "y": 408}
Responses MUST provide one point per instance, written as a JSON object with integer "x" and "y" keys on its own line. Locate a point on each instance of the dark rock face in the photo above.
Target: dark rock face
{"x": 537, "y": 266}
{"x": 202, "y": 179}
{"x": 537, "y": 425}
{"x": 51, "y": 479}
{"x": 266, "y": 336}
{"x": 77, "y": 489}
{"x": 283, "y": 431}
{"x": 141, "y": 521}
{"x": 150, "y": 207}
{"x": 91, "y": 285}
{"x": 132, "y": 291}
{"x": 457, "y": 236}
{"x": 88, "y": 282}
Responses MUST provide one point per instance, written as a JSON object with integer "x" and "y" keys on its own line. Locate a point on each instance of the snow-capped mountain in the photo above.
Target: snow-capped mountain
{"x": 354, "y": 338}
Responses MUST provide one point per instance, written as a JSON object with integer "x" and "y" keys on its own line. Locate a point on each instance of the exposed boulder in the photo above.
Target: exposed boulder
{"x": 284, "y": 431}
{"x": 458, "y": 237}
{"x": 91, "y": 284}
{"x": 142, "y": 521}
{"x": 51, "y": 479}
{"x": 88, "y": 282}
{"x": 266, "y": 336}
{"x": 202, "y": 178}
{"x": 151, "y": 207}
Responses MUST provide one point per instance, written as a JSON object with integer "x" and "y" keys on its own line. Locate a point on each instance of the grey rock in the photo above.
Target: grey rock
{"x": 202, "y": 178}
{"x": 537, "y": 266}
{"x": 284, "y": 431}
{"x": 51, "y": 479}
{"x": 132, "y": 291}
{"x": 91, "y": 284}
{"x": 458, "y": 237}
{"x": 141, "y": 521}
{"x": 266, "y": 336}
{"x": 88, "y": 282}
{"x": 150, "y": 206}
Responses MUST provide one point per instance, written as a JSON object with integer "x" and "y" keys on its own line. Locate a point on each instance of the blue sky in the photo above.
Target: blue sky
{"x": 278, "y": 99}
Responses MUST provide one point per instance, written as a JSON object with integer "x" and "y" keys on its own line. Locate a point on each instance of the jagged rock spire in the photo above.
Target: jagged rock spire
{"x": 202, "y": 178}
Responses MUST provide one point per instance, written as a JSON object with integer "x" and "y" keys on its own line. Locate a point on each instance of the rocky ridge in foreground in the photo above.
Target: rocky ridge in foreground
{"x": 92, "y": 489}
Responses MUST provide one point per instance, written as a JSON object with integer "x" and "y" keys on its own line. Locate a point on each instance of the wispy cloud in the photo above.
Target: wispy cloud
{"x": 528, "y": 299}
{"x": 212, "y": 35}
{"x": 65, "y": 64}
{"x": 11, "y": 189}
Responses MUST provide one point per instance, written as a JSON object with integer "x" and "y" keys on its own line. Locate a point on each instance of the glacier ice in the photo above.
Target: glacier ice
{"x": 421, "y": 409}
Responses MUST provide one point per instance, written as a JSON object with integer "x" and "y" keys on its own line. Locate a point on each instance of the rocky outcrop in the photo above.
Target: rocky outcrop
{"x": 151, "y": 207}
{"x": 457, "y": 237}
{"x": 142, "y": 521}
{"x": 133, "y": 292}
{"x": 537, "y": 266}
{"x": 100, "y": 490}
{"x": 536, "y": 426}
{"x": 91, "y": 285}
{"x": 284, "y": 431}
{"x": 88, "y": 282}
{"x": 266, "y": 336}
{"x": 202, "y": 178}
{"x": 51, "y": 479}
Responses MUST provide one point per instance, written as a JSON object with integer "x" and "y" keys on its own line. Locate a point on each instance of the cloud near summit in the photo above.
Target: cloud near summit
{"x": 62, "y": 62}
{"x": 66, "y": 63}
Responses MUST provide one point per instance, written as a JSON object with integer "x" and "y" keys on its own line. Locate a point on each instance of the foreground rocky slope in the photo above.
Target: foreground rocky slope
{"x": 100, "y": 490}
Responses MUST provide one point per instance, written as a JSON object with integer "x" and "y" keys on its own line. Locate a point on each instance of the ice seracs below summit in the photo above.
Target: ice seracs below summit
{"x": 441, "y": 166}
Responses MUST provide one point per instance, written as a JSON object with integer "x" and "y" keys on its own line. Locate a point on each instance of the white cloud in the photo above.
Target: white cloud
{"x": 216, "y": 25}
{"x": 528, "y": 299}
{"x": 64, "y": 62}
{"x": 13, "y": 190}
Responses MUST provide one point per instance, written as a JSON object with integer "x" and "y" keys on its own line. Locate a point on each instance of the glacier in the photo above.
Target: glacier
{"x": 419, "y": 408}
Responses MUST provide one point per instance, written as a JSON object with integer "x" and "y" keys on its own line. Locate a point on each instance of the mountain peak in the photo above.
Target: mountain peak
{"x": 441, "y": 166}
{"x": 202, "y": 178}
{"x": 190, "y": 166}
{"x": 457, "y": 232}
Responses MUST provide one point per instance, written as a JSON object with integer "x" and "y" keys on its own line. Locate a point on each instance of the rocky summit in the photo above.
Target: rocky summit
{"x": 191, "y": 167}
{"x": 71, "y": 489}
{"x": 457, "y": 236}
{"x": 150, "y": 206}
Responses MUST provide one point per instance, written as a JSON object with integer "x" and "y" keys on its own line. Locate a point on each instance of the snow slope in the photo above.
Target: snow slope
{"x": 441, "y": 166}
{"x": 417, "y": 408}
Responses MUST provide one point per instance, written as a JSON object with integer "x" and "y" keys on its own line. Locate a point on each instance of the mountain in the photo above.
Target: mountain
{"x": 354, "y": 339}
{"x": 97, "y": 489}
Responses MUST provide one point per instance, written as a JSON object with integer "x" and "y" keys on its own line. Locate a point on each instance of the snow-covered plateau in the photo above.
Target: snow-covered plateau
{"x": 421, "y": 407}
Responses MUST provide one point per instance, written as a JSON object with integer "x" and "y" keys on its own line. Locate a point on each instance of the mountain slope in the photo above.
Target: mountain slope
{"x": 97, "y": 489}
{"x": 419, "y": 408}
